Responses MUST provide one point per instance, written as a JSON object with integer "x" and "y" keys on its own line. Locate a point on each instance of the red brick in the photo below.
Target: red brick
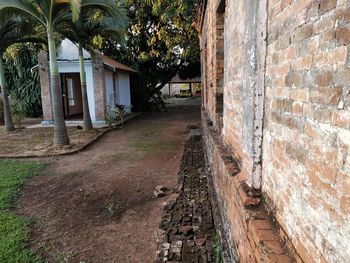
{"x": 285, "y": 3}
{"x": 248, "y": 200}
{"x": 273, "y": 247}
{"x": 294, "y": 79}
{"x": 290, "y": 52}
{"x": 297, "y": 108}
{"x": 343, "y": 35}
{"x": 341, "y": 119}
{"x": 264, "y": 235}
{"x": 313, "y": 45}
{"x": 326, "y": 5}
{"x": 303, "y": 63}
{"x": 323, "y": 79}
{"x": 321, "y": 170}
{"x": 273, "y": 258}
{"x": 345, "y": 204}
{"x": 328, "y": 96}
{"x": 302, "y": 32}
{"x": 302, "y": 251}
{"x": 260, "y": 224}
{"x": 322, "y": 115}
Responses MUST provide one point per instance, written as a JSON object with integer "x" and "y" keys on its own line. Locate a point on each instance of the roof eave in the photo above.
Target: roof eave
{"x": 120, "y": 69}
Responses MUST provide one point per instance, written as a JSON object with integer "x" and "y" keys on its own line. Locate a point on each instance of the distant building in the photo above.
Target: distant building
{"x": 177, "y": 84}
{"x": 108, "y": 82}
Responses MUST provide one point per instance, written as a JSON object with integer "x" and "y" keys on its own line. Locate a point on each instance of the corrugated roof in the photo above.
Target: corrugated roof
{"x": 114, "y": 64}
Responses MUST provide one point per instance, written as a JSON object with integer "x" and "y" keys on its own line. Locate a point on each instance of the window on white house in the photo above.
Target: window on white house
{"x": 70, "y": 90}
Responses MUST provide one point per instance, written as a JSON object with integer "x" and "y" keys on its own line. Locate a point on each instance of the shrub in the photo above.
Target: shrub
{"x": 23, "y": 84}
{"x": 18, "y": 112}
{"x": 115, "y": 114}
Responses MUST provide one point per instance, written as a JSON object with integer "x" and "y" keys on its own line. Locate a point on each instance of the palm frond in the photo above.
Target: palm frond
{"x": 22, "y": 7}
{"x": 75, "y": 7}
{"x": 114, "y": 9}
{"x": 16, "y": 29}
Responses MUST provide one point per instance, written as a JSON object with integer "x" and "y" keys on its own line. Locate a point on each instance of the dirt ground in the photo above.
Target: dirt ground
{"x": 98, "y": 206}
{"x": 39, "y": 141}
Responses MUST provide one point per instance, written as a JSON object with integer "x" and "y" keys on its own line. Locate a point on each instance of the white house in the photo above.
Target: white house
{"x": 108, "y": 83}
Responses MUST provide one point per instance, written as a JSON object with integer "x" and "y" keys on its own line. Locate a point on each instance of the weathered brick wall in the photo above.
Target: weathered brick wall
{"x": 305, "y": 176}
{"x": 239, "y": 80}
{"x": 306, "y": 162}
{"x": 246, "y": 226}
{"x": 212, "y": 46}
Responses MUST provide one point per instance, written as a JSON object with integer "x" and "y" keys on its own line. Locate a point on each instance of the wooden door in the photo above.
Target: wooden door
{"x": 71, "y": 95}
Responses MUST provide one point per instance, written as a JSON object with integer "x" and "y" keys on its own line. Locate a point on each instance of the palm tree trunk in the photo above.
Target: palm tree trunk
{"x": 7, "y": 111}
{"x": 87, "y": 123}
{"x": 60, "y": 130}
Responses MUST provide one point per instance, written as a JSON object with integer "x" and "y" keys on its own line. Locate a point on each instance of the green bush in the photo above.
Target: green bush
{"x": 24, "y": 85}
{"x": 18, "y": 113}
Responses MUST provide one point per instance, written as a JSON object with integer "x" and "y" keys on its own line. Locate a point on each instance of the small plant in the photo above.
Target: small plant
{"x": 115, "y": 114}
{"x": 156, "y": 103}
{"x": 111, "y": 209}
{"x": 18, "y": 112}
{"x": 123, "y": 108}
{"x": 218, "y": 249}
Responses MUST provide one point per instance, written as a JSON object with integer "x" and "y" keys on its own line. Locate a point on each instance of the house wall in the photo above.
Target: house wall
{"x": 109, "y": 87}
{"x": 73, "y": 67}
{"x": 212, "y": 55}
{"x": 281, "y": 153}
{"x": 124, "y": 89}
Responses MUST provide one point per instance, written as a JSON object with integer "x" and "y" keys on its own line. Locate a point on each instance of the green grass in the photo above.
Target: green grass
{"x": 217, "y": 249}
{"x": 154, "y": 145}
{"x": 14, "y": 230}
{"x": 151, "y": 141}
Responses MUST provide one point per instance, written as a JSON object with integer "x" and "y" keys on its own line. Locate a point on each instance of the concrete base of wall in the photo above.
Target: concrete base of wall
{"x": 248, "y": 229}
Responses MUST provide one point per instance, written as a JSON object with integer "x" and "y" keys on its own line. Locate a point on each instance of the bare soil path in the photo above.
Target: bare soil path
{"x": 98, "y": 206}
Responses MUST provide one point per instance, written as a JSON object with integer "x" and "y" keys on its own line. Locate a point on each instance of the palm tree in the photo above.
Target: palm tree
{"x": 51, "y": 13}
{"x": 13, "y": 29}
{"x": 82, "y": 33}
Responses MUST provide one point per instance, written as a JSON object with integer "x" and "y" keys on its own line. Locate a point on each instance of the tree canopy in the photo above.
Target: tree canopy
{"x": 160, "y": 43}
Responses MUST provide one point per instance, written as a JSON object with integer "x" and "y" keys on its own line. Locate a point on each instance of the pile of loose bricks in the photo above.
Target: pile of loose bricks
{"x": 188, "y": 225}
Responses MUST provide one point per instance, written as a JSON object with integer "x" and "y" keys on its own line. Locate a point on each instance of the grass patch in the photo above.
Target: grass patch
{"x": 14, "y": 231}
{"x": 154, "y": 145}
{"x": 150, "y": 140}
